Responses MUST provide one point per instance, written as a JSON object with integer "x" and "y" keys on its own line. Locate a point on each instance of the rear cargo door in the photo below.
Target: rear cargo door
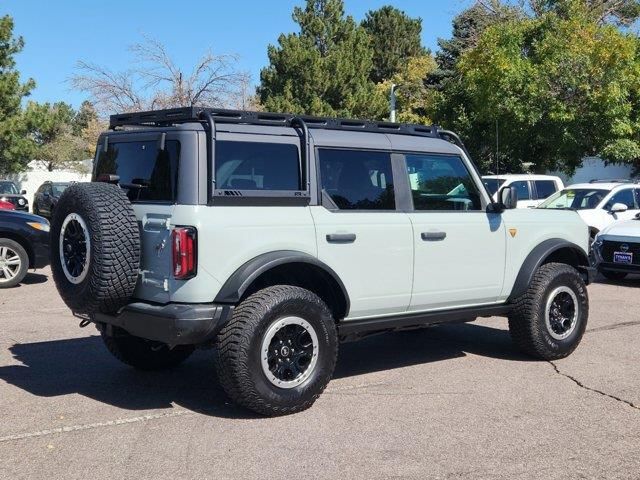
{"x": 145, "y": 165}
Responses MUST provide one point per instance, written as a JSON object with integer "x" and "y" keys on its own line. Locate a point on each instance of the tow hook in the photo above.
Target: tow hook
{"x": 84, "y": 319}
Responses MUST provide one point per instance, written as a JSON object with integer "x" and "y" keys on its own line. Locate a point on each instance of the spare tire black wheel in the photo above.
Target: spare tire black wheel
{"x": 95, "y": 248}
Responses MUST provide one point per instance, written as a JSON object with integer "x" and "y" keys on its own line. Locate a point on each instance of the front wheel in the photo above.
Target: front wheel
{"x": 14, "y": 263}
{"x": 278, "y": 352}
{"x": 549, "y": 320}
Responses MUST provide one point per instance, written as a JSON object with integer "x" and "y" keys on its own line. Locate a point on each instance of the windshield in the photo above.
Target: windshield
{"x": 575, "y": 198}
{"x": 58, "y": 189}
{"x": 8, "y": 188}
{"x": 145, "y": 172}
{"x": 492, "y": 184}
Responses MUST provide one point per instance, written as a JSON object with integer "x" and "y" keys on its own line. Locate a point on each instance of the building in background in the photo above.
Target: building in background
{"x": 595, "y": 168}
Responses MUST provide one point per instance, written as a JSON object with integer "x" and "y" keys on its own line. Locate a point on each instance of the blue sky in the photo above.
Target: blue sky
{"x": 58, "y": 33}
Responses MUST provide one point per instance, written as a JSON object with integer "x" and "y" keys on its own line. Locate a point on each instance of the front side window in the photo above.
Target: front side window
{"x": 626, "y": 197}
{"x": 145, "y": 172}
{"x": 522, "y": 188}
{"x": 257, "y": 166}
{"x": 441, "y": 182}
{"x": 545, "y": 188}
{"x": 357, "y": 180}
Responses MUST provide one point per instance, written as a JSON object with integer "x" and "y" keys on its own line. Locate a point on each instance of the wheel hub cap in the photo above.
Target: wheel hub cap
{"x": 561, "y": 314}
{"x": 75, "y": 248}
{"x": 10, "y": 264}
{"x": 289, "y": 352}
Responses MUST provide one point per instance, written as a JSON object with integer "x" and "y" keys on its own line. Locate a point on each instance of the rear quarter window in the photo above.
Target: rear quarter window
{"x": 257, "y": 166}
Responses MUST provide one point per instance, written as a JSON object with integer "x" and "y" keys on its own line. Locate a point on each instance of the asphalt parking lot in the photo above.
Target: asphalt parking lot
{"x": 456, "y": 401}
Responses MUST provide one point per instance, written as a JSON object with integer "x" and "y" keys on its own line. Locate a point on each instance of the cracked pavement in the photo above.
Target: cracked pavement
{"x": 454, "y": 401}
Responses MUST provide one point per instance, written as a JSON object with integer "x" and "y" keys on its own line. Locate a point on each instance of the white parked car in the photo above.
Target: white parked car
{"x": 598, "y": 203}
{"x": 617, "y": 249}
{"x": 532, "y": 189}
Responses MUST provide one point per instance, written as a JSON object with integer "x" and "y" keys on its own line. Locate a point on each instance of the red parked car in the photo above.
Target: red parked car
{"x": 6, "y": 205}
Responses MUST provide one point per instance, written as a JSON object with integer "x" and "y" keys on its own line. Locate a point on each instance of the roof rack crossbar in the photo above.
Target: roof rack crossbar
{"x": 173, "y": 116}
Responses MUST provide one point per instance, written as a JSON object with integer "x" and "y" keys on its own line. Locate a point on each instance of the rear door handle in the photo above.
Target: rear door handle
{"x": 433, "y": 236}
{"x": 341, "y": 237}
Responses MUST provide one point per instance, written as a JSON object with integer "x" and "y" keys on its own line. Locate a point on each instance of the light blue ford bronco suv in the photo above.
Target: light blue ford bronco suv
{"x": 273, "y": 237}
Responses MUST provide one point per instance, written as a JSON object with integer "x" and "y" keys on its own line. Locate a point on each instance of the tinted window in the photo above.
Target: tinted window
{"x": 492, "y": 184}
{"x": 440, "y": 182}
{"x": 357, "y": 179}
{"x": 625, "y": 197}
{"x": 522, "y": 187}
{"x": 146, "y": 173}
{"x": 545, "y": 188}
{"x": 257, "y": 166}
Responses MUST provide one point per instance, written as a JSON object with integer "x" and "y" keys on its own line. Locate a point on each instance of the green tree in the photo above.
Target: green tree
{"x": 16, "y": 146}
{"x": 558, "y": 85}
{"x": 395, "y": 38}
{"x": 57, "y": 132}
{"x": 324, "y": 69}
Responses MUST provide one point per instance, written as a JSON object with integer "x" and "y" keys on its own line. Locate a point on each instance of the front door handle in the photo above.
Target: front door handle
{"x": 433, "y": 236}
{"x": 341, "y": 237}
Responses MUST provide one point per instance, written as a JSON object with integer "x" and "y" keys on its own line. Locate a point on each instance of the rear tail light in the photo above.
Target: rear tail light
{"x": 184, "y": 248}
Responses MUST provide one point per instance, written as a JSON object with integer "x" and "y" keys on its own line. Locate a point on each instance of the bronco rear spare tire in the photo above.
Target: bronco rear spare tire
{"x": 95, "y": 248}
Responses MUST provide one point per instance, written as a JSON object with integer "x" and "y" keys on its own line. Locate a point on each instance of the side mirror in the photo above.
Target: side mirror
{"x": 23, "y": 192}
{"x": 618, "y": 207}
{"x": 508, "y": 197}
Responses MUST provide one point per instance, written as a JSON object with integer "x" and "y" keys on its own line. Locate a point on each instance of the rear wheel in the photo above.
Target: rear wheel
{"x": 144, "y": 354}
{"x": 615, "y": 276}
{"x": 278, "y": 352}
{"x": 14, "y": 263}
{"x": 549, "y": 320}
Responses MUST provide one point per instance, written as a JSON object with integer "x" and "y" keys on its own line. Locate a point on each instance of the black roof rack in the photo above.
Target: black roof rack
{"x": 159, "y": 118}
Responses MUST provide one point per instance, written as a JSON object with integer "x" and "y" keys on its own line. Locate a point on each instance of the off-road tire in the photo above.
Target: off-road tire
{"x": 144, "y": 354}
{"x": 24, "y": 262}
{"x": 613, "y": 276}
{"x": 238, "y": 350}
{"x": 527, "y": 323}
{"x": 114, "y": 258}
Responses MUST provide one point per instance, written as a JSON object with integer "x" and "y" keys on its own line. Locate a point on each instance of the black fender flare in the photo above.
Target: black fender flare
{"x": 237, "y": 284}
{"x": 537, "y": 256}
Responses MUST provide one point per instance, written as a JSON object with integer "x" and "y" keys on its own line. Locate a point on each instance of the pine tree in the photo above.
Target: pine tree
{"x": 324, "y": 69}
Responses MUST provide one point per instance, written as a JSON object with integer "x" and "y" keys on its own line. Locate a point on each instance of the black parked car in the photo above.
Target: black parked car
{"x": 47, "y": 196}
{"x": 9, "y": 193}
{"x": 24, "y": 244}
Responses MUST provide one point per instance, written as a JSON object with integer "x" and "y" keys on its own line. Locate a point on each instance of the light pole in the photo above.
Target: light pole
{"x": 392, "y": 102}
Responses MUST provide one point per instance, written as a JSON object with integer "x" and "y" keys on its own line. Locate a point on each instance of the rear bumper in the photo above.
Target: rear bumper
{"x": 173, "y": 324}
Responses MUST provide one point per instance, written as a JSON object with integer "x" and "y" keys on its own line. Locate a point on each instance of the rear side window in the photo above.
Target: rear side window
{"x": 257, "y": 166}
{"x": 145, "y": 172}
{"x": 441, "y": 182}
{"x": 356, "y": 179}
{"x": 545, "y": 188}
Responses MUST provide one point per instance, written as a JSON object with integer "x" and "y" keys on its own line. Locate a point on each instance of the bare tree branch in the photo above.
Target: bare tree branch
{"x": 157, "y": 81}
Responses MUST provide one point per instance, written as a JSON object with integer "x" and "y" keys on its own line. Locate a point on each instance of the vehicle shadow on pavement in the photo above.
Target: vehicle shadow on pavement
{"x": 83, "y": 366}
{"x": 34, "y": 279}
